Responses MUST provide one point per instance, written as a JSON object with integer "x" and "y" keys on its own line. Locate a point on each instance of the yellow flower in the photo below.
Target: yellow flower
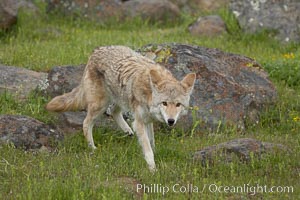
{"x": 195, "y": 108}
{"x": 289, "y": 56}
{"x": 296, "y": 119}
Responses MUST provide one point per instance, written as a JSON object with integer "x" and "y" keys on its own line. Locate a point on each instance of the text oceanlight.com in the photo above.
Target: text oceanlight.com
{"x": 213, "y": 188}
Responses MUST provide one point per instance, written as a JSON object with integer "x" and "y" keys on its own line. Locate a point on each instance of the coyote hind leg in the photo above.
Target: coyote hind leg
{"x": 93, "y": 111}
{"x": 96, "y": 100}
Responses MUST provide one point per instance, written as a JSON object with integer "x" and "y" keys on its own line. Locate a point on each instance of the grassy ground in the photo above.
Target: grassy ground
{"x": 40, "y": 42}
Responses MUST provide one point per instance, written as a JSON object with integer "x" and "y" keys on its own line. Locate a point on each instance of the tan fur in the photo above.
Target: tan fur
{"x": 118, "y": 75}
{"x": 67, "y": 102}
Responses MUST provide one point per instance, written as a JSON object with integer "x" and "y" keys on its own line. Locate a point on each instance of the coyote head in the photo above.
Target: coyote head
{"x": 170, "y": 98}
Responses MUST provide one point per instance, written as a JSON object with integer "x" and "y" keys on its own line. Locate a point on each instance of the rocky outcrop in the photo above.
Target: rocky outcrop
{"x": 72, "y": 121}
{"x": 230, "y": 88}
{"x": 104, "y": 11}
{"x": 196, "y": 6}
{"x": 157, "y": 11}
{"x": 208, "y": 5}
{"x": 242, "y": 149}
{"x": 100, "y": 11}
{"x": 20, "y": 81}
{"x": 63, "y": 79}
{"x": 8, "y": 13}
{"x": 211, "y": 25}
{"x": 27, "y": 133}
{"x": 280, "y": 16}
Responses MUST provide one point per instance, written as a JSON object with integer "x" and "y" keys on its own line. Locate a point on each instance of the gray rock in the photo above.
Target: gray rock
{"x": 229, "y": 89}
{"x": 28, "y": 6}
{"x": 208, "y": 5}
{"x": 242, "y": 149}
{"x": 73, "y": 121}
{"x": 106, "y": 10}
{"x": 196, "y": 6}
{"x": 183, "y": 5}
{"x": 100, "y": 11}
{"x": 62, "y": 79}
{"x": 275, "y": 148}
{"x": 8, "y": 13}
{"x": 211, "y": 25}
{"x": 282, "y": 16}
{"x": 157, "y": 11}
{"x": 27, "y": 133}
{"x": 20, "y": 81}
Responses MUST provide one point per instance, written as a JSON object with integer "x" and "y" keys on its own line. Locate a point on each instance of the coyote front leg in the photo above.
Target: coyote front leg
{"x": 150, "y": 134}
{"x": 118, "y": 117}
{"x": 140, "y": 128}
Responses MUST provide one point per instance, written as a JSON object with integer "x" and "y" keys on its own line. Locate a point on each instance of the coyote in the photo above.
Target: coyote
{"x": 131, "y": 82}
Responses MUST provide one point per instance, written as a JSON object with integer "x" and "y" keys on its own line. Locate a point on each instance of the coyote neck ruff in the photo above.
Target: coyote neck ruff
{"x": 131, "y": 82}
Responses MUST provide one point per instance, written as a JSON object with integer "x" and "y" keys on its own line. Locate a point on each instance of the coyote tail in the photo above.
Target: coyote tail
{"x": 73, "y": 100}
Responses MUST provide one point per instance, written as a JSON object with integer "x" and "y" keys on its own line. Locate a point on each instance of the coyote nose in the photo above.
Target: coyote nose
{"x": 171, "y": 122}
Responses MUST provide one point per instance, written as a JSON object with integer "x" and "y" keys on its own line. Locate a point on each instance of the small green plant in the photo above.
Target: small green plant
{"x": 286, "y": 69}
{"x": 196, "y": 120}
{"x": 231, "y": 22}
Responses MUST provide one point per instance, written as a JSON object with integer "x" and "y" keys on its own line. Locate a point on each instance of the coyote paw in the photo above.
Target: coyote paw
{"x": 130, "y": 132}
{"x": 92, "y": 146}
{"x": 152, "y": 169}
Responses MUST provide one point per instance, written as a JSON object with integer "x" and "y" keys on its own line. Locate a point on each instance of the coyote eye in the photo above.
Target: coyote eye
{"x": 164, "y": 103}
{"x": 178, "y": 104}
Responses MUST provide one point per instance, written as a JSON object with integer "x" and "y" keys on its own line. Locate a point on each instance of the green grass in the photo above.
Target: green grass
{"x": 74, "y": 172}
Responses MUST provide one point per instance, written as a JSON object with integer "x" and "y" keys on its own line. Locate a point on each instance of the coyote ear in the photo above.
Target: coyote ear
{"x": 188, "y": 82}
{"x": 155, "y": 77}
